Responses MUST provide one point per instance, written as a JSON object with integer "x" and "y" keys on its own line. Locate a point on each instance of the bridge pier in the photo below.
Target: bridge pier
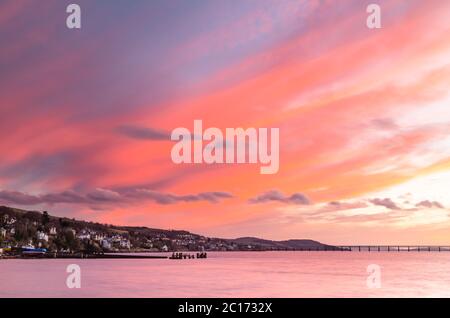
{"x": 388, "y": 248}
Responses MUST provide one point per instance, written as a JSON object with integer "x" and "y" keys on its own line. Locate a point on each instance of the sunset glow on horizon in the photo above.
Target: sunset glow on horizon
{"x": 363, "y": 116}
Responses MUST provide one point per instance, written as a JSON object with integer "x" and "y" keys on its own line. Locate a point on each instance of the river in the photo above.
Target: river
{"x": 236, "y": 274}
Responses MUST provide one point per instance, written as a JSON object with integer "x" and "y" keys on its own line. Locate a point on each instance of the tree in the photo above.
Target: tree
{"x": 91, "y": 247}
{"x": 71, "y": 241}
{"x": 45, "y": 218}
{"x": 64, "y": 223}
{"x": 22, "y": 234}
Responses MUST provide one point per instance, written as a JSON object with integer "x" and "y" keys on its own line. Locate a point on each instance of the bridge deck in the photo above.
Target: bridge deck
{"x": 392, "y": 248}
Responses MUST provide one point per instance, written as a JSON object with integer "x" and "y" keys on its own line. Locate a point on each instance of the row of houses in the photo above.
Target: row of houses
{"x": 106, "y": 241}
{"x": 115, "y": 241}
{"x": 9, "y": 220}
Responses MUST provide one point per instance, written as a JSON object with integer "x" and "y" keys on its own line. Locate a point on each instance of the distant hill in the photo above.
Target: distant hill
{"x": 287, "y": 244}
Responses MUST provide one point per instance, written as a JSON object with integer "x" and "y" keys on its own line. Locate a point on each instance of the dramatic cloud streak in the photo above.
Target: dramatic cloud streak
{"x": 108, "y": 197}
{"x": 275, "y": 195}
{"x": 430, "y": 204}
{"x": 386, "y": 202}
{"x": 143, "y": 133}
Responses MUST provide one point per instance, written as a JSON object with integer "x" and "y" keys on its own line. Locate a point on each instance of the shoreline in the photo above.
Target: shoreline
{"x": 83, "y": 257}
{"x": 192, "y": 255}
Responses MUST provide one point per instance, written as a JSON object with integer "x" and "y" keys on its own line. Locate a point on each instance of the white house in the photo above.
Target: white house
{"x": 164, "y": 248}
{"x": 2, "y": 232}
{"x": 125, "y": 244}
{"x": 98, "y": 237}
{"x": 53, "y": 231}
{"x": 116, "y": 238}
{"x": 84, "y": 236}
{"x": 12, "y": 231}
{"x": 11, "y": 221}
{"x": 42, "y": 236}
{"x": 106, "y": 244}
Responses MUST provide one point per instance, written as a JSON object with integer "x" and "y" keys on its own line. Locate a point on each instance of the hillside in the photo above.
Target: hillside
{"x": 287, "y": 244}
{"x": 20, "y": 227}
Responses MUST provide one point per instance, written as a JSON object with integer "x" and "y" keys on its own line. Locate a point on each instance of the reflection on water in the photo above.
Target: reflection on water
{"x": 235, "y": 274}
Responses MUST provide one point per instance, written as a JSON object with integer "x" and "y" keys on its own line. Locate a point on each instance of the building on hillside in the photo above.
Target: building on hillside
{"x": 42, "y": 236}
{"x": 116, "y": 239}
{"x": 106, "y": 244}
{"x": 9, "y": 220}
{"x": 84, "y": 235}
{"x": 125, "y": 244}
{"x": 98, "y": 237}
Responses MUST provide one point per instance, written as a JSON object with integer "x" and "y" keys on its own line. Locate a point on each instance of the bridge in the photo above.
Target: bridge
{"x": 363, "y": 248}
{"x": 395, "y": 248}
{"x": 380, "y": 248}
{"x": 369, "y": 248}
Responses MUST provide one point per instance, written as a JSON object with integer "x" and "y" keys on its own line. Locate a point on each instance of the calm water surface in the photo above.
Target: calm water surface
{"x": 235, "y": 274}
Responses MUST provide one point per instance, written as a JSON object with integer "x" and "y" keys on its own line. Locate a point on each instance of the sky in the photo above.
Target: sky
{"x": 86, "y": 115}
